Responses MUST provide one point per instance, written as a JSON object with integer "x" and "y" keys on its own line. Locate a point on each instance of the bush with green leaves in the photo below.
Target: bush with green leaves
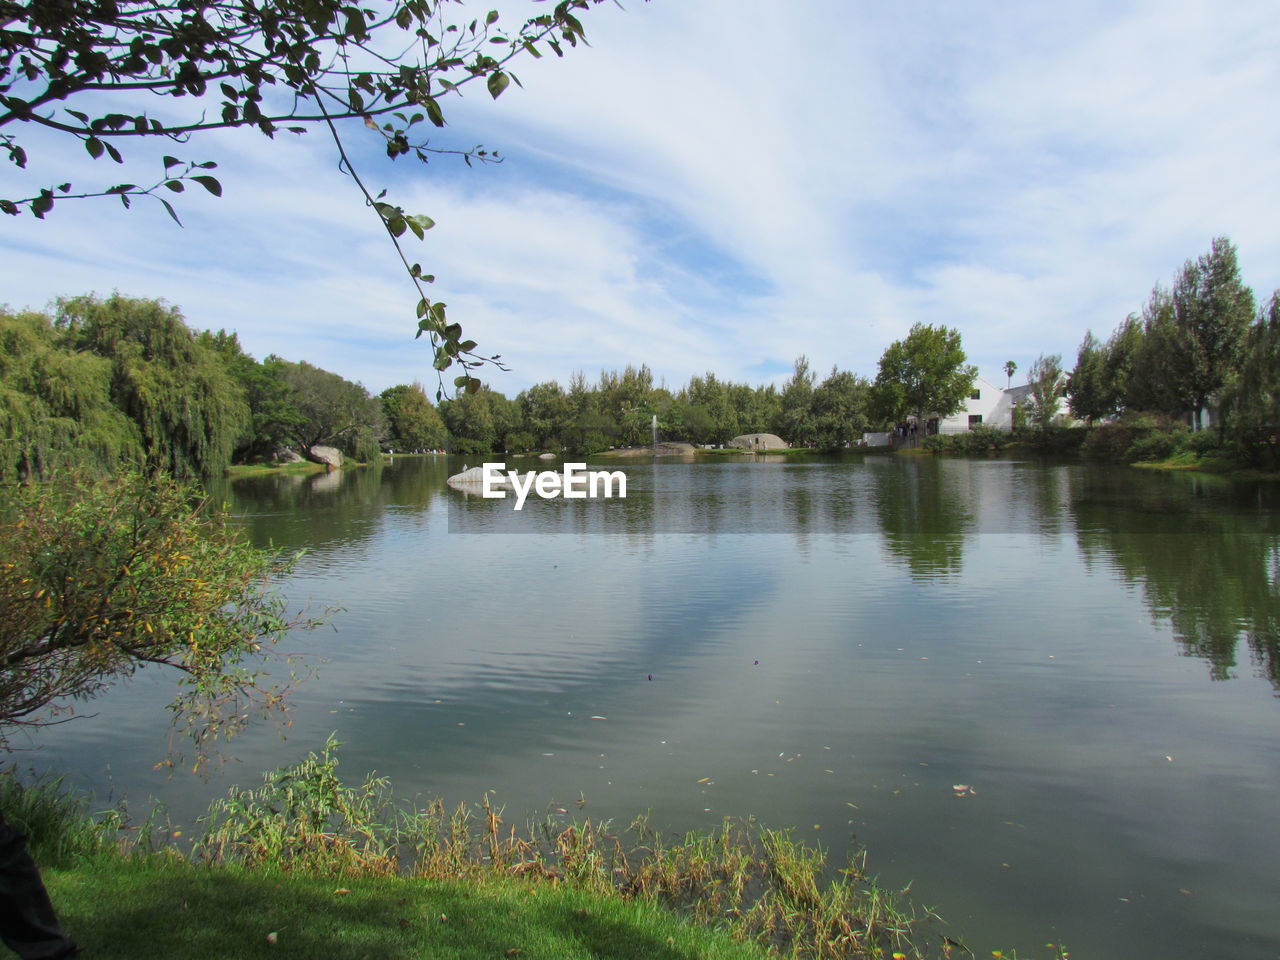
{"x": 99, "y": 577}
{"x": 980, "y": 439}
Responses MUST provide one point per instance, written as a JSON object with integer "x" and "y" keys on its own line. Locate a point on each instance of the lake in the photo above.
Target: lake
{"x": 1092, "y": 652}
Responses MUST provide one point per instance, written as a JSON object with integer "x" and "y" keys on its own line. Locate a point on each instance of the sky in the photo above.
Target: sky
{"x": 725, "y": 185}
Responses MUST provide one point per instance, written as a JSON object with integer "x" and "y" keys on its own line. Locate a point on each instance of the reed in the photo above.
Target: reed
{"x": 757, "y": 884}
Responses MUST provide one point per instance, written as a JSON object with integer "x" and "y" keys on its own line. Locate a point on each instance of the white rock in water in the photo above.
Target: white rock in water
{"x": 471, "y": 480}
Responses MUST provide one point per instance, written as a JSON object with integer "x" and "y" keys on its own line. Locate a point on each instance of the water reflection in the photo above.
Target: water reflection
{"x": 924, "y": 511}
{"x": 910, "y": 624}
{"x": 1203, "y": 553}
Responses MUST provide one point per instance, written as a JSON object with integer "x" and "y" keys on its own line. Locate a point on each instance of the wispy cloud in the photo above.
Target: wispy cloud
{"x": 725, "y": 185}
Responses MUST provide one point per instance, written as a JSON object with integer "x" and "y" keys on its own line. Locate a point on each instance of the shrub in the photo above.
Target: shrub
{"x": 98, "y": 577}
{"x": 1153, "y": 446}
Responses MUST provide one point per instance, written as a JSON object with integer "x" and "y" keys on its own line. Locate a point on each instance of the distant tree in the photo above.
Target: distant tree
{"x": 712, "y": 395}
{"x": 794, "y": 420}
{"x": 545, "y": 414}
{"x": 334, "y": 412}
{"x": 273, "y": 408}
{"x": 756, "y": 407}
{"x": 56, "y": 410}
{"x": 925, "y": 374}
{"x": 412, "y": 422}
{"x": 840, "y": 409}
{"x": 189, "y": 411}
{"x": 1047, "y": 387}
{"x": 1160, "y": 370}
{"x": 1119, "y": 358}
{"x": 1252, "y": 400}
{"x": 480, "y": 421}
{"x": 1010, "y": 368}
{"x": 1088, "y": 392}
{"x": 1212, "y": 310}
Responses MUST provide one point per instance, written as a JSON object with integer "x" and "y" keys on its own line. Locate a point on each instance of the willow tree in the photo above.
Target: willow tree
{"x": 188, "y": 410}
{"x": 55, "y": 405}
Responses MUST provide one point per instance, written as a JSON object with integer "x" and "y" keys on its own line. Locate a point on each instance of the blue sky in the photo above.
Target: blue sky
{"x": 725, "y": 184}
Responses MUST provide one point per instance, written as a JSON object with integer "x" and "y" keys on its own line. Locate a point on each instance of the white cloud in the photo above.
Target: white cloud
{"x": 725, "y": 185}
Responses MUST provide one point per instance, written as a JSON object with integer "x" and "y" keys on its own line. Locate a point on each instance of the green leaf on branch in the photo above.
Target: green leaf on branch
{"x": 42, "y": 204}
{"x": 211, "y": 184}
{"x": 498, "y": 81}
{"x": 167, "y": 205}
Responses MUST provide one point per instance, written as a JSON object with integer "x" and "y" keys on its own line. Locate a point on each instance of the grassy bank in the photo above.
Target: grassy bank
{"x": 305, "y": 466}
{"x": 1219, "y": 466}
{"x": 117, "y": 907}
{"x": 257, "y": 469}
{"x": 306, "y": 866}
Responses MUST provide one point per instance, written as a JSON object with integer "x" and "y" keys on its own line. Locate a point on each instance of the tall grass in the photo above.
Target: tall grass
{"x": 759, "y": 885}
{"x": 60, "y": 831}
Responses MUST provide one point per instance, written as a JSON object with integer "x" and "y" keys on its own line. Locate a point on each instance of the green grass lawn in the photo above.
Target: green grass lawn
{"x": 156, "y": 907}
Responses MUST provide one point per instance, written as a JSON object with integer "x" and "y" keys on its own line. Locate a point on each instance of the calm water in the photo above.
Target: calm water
{"x": 835, "y": 645}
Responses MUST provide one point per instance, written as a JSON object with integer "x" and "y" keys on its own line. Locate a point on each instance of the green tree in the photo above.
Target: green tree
{"x": 840, "y": 409}
{"x": 333, "y": 412}
{"x": 756, "y": 407}
{"x": 412, "y": 422}
{"x": 711, "y": 396}
{"x": 189, "y": 411}
{"x": 1088, "y": 393}
{"x": 56, "y": 410}
{"x": 1159, "y": 374}
{"x": 545, "y": 414}
{"x": 794, "y": 420}
{"x": 1252, "y": 402}
{"x": 479, "y": 421}
{"x": 1010, "y": 368}
{"x": 1212, "y": 310}
{"x": 924, "y": 374}
{"x": 1047, "y": 387}
{"x": 273, "y": 407}
{"x": 103, "y": 576}
{"x": 1119, "y": 359}
{"x": 89, "y": 71}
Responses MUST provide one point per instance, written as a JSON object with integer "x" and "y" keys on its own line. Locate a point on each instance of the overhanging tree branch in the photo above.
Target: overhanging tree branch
{"x": 277, "y": 65}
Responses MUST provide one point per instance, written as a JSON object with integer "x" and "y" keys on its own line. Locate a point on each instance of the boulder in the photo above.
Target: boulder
{"x": 758, "y": 441}
{"x": 471, "y": 480}
{"x": 329, "y": 456}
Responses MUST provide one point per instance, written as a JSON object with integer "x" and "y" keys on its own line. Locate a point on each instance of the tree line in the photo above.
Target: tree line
{"x": 123, "y": 380}
{"x": 1201, "y": 344}
{"x": 101, "y": 382}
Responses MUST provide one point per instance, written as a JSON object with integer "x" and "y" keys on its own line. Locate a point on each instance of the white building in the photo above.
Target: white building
{"x": 987, "y": 405}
